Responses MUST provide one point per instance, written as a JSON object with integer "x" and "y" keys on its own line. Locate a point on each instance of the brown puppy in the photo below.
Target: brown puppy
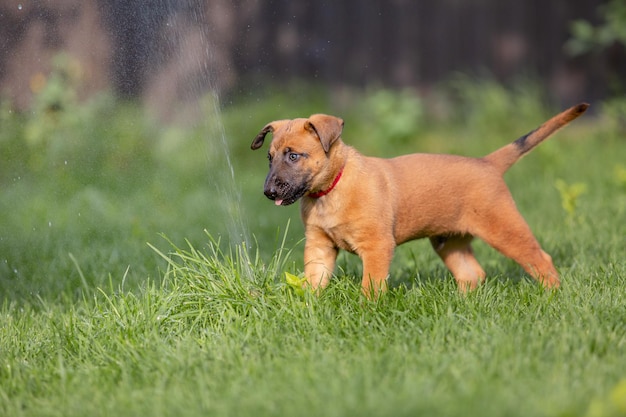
{"x": 369, "y": 205}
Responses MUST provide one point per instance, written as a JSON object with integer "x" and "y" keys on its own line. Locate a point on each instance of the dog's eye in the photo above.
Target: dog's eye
{"x": 293, "y": 157}
{"x": 269, "y": 157}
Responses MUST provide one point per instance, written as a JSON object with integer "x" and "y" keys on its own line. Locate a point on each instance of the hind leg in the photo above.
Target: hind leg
{"x": 456, "y": 252}
{"x": 505, "y": 230}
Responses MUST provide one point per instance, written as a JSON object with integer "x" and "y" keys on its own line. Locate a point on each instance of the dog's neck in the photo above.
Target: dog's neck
{"x": 329, "y": 189}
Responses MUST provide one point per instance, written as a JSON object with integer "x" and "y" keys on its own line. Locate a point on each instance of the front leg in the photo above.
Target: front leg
{"x": 320, "y": 254}
{"x": 376, "y": 263}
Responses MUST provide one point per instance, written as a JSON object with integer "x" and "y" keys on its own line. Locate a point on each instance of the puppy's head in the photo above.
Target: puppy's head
{"x": 299, "y": 154}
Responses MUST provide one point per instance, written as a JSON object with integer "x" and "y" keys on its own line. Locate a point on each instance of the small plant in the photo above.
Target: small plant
{"x": 613, "y": 405}
{"x": 570, "y": 193}
{"x": 614, "y": 111}
{"x": 620, "y": 176}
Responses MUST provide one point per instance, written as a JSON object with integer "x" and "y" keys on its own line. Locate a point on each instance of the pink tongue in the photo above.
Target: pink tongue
{"x": 278, "y": 202}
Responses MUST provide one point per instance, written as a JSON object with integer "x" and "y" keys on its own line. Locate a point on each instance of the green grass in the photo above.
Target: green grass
{"x": 221, "y": 336}
{"x": 116, "y": 301}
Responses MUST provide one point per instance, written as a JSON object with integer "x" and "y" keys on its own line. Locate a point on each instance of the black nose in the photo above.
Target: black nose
{"x": 270, "y": 192}
{"x": 272, "y": 186}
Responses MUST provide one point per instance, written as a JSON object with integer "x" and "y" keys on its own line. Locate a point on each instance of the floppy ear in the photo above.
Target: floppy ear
{"x": 260, "y": 138}
{"x": 270, "y": 127}
{"x": 327, "y": 128}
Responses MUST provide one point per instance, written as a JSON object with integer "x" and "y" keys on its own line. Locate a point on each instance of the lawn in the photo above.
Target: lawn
{"x": 139, "y": 275}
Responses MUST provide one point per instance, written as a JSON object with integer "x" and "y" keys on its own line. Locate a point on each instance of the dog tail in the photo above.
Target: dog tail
{"x": 506, "y": 156}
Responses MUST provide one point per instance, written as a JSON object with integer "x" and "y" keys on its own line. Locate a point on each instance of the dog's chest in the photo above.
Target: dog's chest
{"x": 339, "y": 223}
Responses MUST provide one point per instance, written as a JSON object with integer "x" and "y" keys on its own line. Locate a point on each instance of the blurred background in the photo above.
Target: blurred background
{"x": 169, "y": 50}
{"x": 121, "y": 120}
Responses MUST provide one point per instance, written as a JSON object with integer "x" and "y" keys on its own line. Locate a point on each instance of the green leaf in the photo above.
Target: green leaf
{"x": 296, "y": 283}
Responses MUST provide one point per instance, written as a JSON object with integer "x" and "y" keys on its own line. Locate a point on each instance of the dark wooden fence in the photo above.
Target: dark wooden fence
{"x": 418, "y": 43}
{"x": 138, "y": 47}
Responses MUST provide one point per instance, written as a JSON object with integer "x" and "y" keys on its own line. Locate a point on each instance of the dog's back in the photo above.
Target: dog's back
{"x": 438, "y": 190}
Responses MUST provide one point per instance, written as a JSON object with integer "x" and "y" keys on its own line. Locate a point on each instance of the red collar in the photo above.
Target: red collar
{"x": 329, "y": 189}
